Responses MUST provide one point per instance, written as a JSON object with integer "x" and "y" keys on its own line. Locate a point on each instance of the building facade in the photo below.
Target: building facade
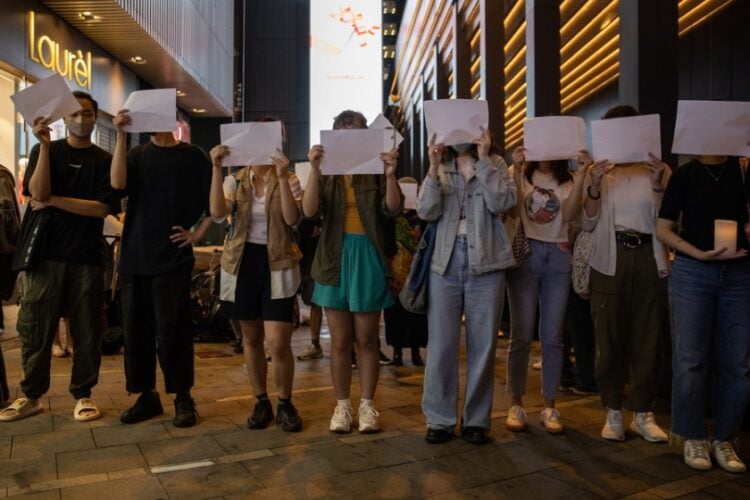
{"x": 540, "y": 57}
{"x": 110, "y": 48}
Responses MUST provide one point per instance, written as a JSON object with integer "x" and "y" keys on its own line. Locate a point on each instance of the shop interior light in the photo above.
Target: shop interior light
{"x": 198, "y": 110}
{"x": 138, "y": 60}
{"x": 180, "y": 93}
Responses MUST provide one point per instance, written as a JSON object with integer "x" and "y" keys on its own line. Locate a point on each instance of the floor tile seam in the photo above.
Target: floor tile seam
{"x": 713, "y": 480}
{"x": 155, "y": 470}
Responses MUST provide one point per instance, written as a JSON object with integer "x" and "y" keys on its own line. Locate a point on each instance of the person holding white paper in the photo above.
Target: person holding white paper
{"x": 349, "y": 269}
{"x": 709, "y": 295}
{"x": 466, "y": 190}
{"x": 68, "y": 180}
{"x": 167, "y": 183}
{"x": 628, "y": 285}
{"x": 260, "y": 273}
{"x": 549, "y": 197}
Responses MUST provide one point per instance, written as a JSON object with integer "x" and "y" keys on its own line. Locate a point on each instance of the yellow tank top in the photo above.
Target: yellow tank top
{"x": 352, "y": 220}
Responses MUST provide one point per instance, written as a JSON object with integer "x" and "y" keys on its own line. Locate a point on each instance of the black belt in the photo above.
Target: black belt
{"x": 631, "y": 239}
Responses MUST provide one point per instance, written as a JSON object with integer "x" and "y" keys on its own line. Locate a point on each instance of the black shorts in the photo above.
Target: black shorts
{"x": 252, "y": 298}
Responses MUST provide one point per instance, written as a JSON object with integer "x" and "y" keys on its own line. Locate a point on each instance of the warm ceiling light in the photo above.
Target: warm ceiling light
{"x": 180, "y": 93}
{"x": 137, "y": 60}
{"x": 87, "y": 15}
{"x": 198, "y": 110}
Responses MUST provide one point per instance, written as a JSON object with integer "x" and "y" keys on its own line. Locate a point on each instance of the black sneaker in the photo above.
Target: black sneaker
{"x": 438, "y": 436}
{"x": 262, "y": 415}
{"x": 148, "y": 405}
{"x": 475, "y": 435}
{"x": 184, "y": 413}
{"x": 383, "y": 359}
{"x": 288, "y": 416}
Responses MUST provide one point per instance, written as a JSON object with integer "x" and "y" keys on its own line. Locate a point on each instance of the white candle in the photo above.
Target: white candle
{"x": 725, "y": 235}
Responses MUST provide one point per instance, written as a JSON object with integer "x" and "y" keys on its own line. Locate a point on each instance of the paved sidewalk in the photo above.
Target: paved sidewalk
{"x": 52, "y": 456}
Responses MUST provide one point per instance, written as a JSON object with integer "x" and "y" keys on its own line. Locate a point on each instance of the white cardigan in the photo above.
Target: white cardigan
{"x": 603, "y": 246}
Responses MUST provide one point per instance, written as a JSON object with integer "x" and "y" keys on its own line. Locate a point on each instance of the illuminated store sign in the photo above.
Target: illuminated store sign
{"x": 73, "y": 65}
{"x": 345, "y": 61}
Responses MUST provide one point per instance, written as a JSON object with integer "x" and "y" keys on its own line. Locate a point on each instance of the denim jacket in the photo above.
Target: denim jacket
{"x": 491, "y": 190}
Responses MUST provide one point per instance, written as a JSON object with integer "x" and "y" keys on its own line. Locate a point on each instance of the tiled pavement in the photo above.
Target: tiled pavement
{"x": 52, "y": 456}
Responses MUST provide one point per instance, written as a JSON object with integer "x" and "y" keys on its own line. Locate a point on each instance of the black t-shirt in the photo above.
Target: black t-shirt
{"x": 166, "y": 187}
{"x": 696, "y": 194}
{"x": 74, "y": 173}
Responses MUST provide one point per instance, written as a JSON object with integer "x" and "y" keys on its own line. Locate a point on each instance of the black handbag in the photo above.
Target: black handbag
{"x": 413, "y": 296}
{"x": 30, "y": 240}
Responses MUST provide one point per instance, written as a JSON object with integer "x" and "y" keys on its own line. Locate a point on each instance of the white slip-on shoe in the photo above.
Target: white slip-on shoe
{"x": 550, "y": 419}
{"x": 613, "y": 429}
{"x": 644, "y": 424}
{"x": 516, "y": 420}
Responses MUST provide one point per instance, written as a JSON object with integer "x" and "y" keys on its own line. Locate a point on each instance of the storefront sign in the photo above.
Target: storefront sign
{"x": 73, "y": 65}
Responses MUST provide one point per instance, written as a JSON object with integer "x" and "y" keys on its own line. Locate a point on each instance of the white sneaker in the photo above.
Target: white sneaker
{"x": 644, "y": 424}
{"x": 341, "y": 421}
{"x": 311, "y": 352}
{"x": 696, "y": 455}
{"x": 369, "y": 418}
{"x": 550, "y": 419}
{"x": 727, "y": 458}
{"x": 613, "y": 428}
{"x": 516, "y": 420}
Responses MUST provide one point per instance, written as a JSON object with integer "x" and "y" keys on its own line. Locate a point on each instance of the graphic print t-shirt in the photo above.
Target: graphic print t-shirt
{"x": 542, "y": 208}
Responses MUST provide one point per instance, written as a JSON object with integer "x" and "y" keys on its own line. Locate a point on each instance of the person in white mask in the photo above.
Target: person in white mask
{"x": 68, "y": 179}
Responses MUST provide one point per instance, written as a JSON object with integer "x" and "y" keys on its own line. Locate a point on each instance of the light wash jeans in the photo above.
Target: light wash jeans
{"x": 710, "y": 311}
{"x": 543, "y": 280}
{"x": 480, "y": 297}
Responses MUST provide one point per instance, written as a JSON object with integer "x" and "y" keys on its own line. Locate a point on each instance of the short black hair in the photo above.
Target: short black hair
{"x": 267, "y": 118}
{"x": 620, "y": 112}
{"x": 348, "y": 118}
{"x": 79, "y": 94}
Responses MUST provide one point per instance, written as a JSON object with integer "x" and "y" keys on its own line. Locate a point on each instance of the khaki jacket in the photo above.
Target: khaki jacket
{"x": 370, "y": 193}
{"x": 283, "y": 252}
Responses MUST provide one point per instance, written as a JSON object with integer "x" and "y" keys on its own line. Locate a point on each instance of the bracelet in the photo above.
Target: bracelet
{"x": 588, "y": 191}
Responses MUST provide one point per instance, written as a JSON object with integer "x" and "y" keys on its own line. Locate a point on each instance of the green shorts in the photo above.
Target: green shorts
{"x": 362, "y": 286}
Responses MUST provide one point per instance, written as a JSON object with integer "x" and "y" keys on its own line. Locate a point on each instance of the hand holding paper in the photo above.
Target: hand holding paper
{"x": 455, "y": 121}
{"x": 151, "y": 110}
{"x": 626, "y": 140}
{"x": 251, "y": 143}
{"x": 553, "y": 137}
{"x": 50, "y": 98}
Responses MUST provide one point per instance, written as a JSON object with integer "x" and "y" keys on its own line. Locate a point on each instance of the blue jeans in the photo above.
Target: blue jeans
{"x": 543, "y": 280}
{"x": 710, "y": 311}
{"x": 480, "y": 297}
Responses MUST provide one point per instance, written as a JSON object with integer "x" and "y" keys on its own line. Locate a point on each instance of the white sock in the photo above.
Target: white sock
{"x": 365, "y": 402}
{"x": 344, "y": 402}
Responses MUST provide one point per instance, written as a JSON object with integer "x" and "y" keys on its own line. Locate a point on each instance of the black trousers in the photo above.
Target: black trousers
{"x": 156, "y": 319}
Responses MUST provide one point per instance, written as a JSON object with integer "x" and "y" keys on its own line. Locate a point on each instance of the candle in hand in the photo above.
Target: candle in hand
{"x": 725, "y": 235}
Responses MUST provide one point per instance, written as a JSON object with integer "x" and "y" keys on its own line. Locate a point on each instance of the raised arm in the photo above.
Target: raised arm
{"x": 498, "y": 188}
{"x": 311, "y": 197}
{"x": 218, "y": 204}
{"x": 40, "y": 185}
{"x": 571, "y": 206}
{"x": 119, "y": 171}
{"x": 289, "y": 206}
{"x": 393, "y": 196}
